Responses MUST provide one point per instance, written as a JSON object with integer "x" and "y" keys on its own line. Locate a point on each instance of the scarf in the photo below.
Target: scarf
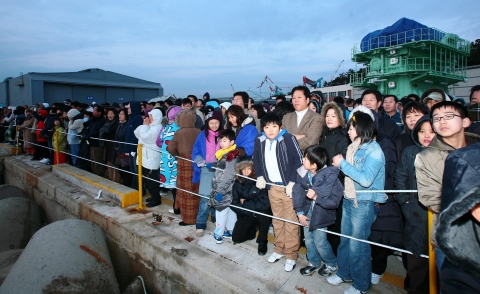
{"x": 349, "y": 186}
{"x": 220, "y": 153}
{"x": 211, "y": 146}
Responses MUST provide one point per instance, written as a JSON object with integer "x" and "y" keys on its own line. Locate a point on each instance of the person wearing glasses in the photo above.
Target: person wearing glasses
{"x": 449, "y": 120}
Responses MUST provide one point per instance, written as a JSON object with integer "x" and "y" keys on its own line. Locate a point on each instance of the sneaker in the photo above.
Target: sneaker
{"x": 376, "y": 278}
{"x": 289, "y": 265}
{"x": 308, "y": 270}
{"x": 163, "y": 193}
{"x": 171, "y": 210}
{"x": 198, "y": 232}
{"x": 219, "y": 239}
{"x": 352, "y": 290}
{"x": 327, "y": 270}
{"x": 45, "y": 160}
{"x": 336, "y": 280}
{"x": 227, "y": 235}
{"x": 275, "y": 257}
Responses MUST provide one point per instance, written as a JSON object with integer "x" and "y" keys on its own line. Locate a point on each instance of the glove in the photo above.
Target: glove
{"x": 261, "y": 183}
{"x": 289, "y": 188}
{"x": 209, "y": 165}
{"x": 201, "y": 163}
{"x": 218, "y": 197}
{"x": 232, "y": 155}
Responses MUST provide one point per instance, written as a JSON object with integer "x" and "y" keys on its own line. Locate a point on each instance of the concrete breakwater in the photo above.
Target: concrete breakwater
{"x": 169, "y": 257}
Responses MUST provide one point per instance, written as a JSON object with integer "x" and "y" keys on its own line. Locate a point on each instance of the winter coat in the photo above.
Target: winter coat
{"x": 118, "y": 148}
{"x": 329, "y": 192}
{"x": 184, "y": 138}
{"x": 75, "y": 126}
{"x": 134, "y": 121}
{"x": 147, "y": 135}
{"x": 335, "y": 141}
{"x": 388, "y": 226}
{"x": 403, "y": 141}
{"x": 168, "y": 163}
{"x": 93, "y": 132}
{"x": 108, "y": 132}
{"x": 199, "y": 153}
{"x": 429, "y": 172}
{"x": 415, "y": 237}
{"x": 457, "y": 233}
{"x": 255, "y": 199}
{"x": 28, "y": 133}
{"x": 368, "y": 171}
{"x": 62, "y": 139}
{"x": 38, "y": 132}
{"x": 246, "y": 135}
{"x": 47, "y": 130}
{"x": 288, "y": 153}
{"x": 222, "y": 183}
{"x": 387, "y": 127}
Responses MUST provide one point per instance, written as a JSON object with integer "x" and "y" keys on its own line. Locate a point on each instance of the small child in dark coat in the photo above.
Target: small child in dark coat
{"x": 247, "y": 195}
{"x": 316, "y": 208}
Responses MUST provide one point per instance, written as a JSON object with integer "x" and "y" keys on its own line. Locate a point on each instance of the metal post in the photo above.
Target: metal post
{"x": 16, "y": 139}
{"x": 432, "y": 265}
{"x": 57, "y": 151}
{"x": 140, "y": 190}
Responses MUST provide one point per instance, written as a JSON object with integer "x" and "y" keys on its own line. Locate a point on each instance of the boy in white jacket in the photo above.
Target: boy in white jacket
{"x": 147, "y": 135}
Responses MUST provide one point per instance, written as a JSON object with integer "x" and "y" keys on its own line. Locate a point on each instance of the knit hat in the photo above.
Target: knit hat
{"x": 226, "y": 105}
{"x": 213, "y": 115}
{"x": 212, "y": 103}
{"x": 173, "y": 111}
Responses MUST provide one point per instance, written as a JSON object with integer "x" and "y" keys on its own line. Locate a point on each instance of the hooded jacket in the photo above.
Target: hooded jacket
{"x": 184, "y": 138}
{"x": 429, "y": 166}
{"x": 288, "y": 153}
{"x": 458, "y": 233}
{"x": 134, "y": 121}
{"x": 329, "y": 192}
{"x": 254, "y": 198}
{"x": 222, "y": 183}
{"x": 75, "y": 126}
{"x": 147, "y": 136}
{"x": 93, "y": 131}
{"x": 415, "y": 237}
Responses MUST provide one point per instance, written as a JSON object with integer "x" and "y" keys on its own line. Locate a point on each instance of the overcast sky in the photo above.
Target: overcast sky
{"x": 199, "y": 46}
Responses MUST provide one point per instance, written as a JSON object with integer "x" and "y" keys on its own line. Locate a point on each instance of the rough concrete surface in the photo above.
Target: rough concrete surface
{"x": 20, "y": 218}
{"x": 141, "y": 246}
{"x": 69, "y": 256}
{"x": 7, "y": 260}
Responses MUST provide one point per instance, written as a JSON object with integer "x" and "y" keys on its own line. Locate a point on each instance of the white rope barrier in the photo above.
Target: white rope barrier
{"x": 245, "y": 209}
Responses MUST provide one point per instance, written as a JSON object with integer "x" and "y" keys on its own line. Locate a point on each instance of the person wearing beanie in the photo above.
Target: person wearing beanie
{"x": 206, "y": 96}
{"x": 203, "y": 153}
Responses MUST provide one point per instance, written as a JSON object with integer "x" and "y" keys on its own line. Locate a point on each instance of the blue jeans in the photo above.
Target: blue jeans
{"x": 202, "y": 216}
{"x": 318, "y": 247}
{"x": 354, "y": 257}
{"x": 74, "y": 149}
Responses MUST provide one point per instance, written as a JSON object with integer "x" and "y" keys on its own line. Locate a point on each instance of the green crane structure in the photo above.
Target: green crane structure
{"x": 410, "y": 61}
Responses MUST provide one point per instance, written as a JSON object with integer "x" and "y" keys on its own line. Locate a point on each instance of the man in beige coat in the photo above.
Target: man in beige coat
{"x": 304, "y": 124}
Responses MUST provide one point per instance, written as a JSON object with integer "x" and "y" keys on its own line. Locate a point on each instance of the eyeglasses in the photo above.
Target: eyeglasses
{"x": 445, "y": 117}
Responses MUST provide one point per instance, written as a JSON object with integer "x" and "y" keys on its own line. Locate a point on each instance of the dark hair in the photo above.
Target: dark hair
{"x": 125, "y": 112}
{"x": 358, "y": 101}
{"x": 112, "y": 109}
{"x": 186, "y": 101}
{"x": 414, "y": 106}
{"x": 414, "y": 97}
{"x": 76, "y": 104}
{"x": 193, "y": 96}
{"x": 229, "y": 134}
{"x": 377, "y": 94}
{"x": 282, "y": 97}
{"x": 350, "y": 101}
{"x": 283, "y": 108}
{"x": 449, "y": 104}
{"x": 99, "y": 109}
{"x": 238, "y": 112}
{"x": 389, "y": 95}
{"x": 364, "y": 126}
{"x": 90, "y": 114}
{"x": 339, "y": 99}
{"x": 201, "y": 100}
{"x": 304, "y": 89}
{"x": 270, "y": 118}
{"x": 260, "y": 111}
{"x": 473, "y": 90}
{"x": 250, "y": 99}
{"x": 418, "y": 126}
{"x": 169, "y": 101}
{"x": 318, "y": 155}
{"x": 243, "y": 94}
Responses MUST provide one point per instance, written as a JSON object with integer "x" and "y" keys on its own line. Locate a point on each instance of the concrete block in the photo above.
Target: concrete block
{"x": 9, "y": 191}
{"x": 64, "y": 257}
{"x": 20, "y": 218}
{"x": 7, "y": 260}
{"x": 7, "y": 149}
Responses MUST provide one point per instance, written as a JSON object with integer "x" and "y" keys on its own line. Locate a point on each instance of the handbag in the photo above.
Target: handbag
{"x": 122, "y": 160}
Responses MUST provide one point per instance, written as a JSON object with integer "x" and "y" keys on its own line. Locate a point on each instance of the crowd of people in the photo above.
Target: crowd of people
{"x": 323, "y": 165}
